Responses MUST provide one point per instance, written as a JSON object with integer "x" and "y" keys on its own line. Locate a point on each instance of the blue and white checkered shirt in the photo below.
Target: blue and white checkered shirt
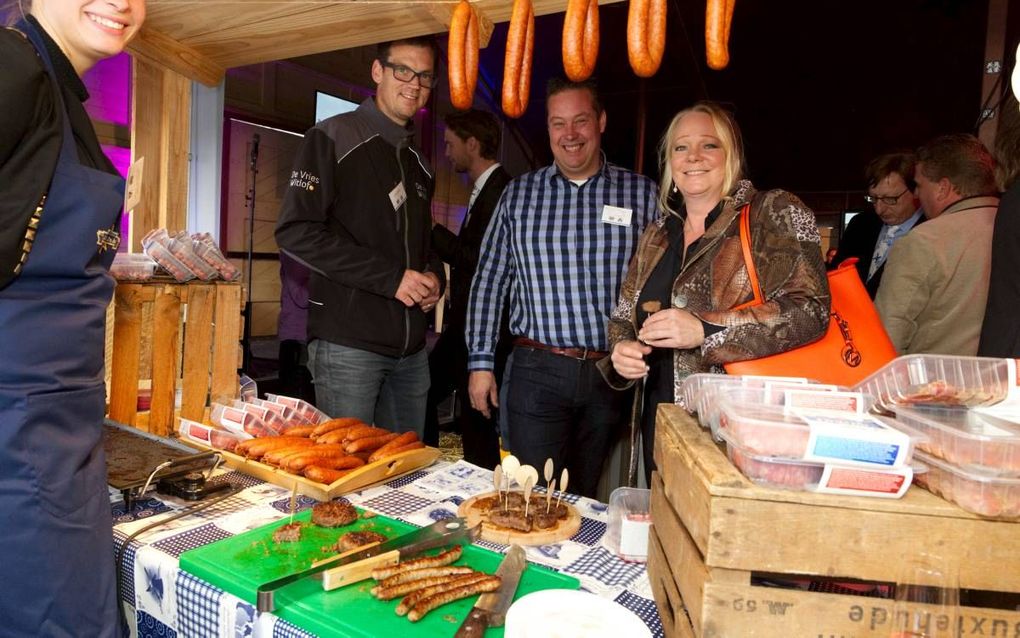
{"x": 547, "y": 244}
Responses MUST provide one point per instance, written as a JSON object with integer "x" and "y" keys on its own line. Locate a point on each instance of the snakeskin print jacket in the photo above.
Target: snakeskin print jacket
{"x": 785, "y": 247}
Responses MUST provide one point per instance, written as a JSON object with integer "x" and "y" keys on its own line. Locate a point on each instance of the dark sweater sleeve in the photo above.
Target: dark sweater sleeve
{"x": 29, "y": 142}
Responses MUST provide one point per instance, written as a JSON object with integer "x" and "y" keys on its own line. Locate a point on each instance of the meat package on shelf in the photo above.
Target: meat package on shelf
{"x": 796, "y": 434}
{"x": 184, "y": 257}
{"x": 968, "y": 410}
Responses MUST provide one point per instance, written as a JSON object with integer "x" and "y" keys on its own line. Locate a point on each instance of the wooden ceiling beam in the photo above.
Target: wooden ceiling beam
{"x": 156, "y": 47}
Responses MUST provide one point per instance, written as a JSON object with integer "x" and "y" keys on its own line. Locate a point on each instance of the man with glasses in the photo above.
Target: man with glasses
{"x": 868, "y": 237}
{"x": 357, "y": 212}
{"x": 932, "y": 299}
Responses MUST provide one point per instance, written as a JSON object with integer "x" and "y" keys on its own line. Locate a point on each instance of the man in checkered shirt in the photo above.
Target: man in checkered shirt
{"x": 559, "y": 243}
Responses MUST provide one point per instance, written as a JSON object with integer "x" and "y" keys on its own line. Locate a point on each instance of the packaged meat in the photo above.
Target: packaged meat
{"x": 166, "y": 260}
{"x": 806, "y": 396}
{"x": 829, "y": 478}
{"x": 939, "y": 381}
{"x": 180, "y": 246}
{"x": 975, "y": 441}
{"x": 205, "y": 247}
{"x": 238, "y": 421}
{"x": 289, "y": 415}
{"x": 210, "y": 435}
{"x": 134, "y": 267}
{"x": 269, "y": 419}
{"x": 981, "y": 494}
{"x": 305, "y": 409}
{"x": 629, "y": 521}
{"x": 832, "y": 437}
{"x": 693, "y": 387}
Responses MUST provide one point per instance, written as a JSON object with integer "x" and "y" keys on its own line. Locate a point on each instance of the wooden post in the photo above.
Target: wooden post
{"x": 995, "y": 53}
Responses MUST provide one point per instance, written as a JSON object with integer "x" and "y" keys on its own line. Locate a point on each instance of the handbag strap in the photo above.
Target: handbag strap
{"x": 745, "y": 247}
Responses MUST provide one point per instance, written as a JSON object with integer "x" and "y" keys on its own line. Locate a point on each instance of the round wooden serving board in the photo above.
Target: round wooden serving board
{"x": 563, "y": 530}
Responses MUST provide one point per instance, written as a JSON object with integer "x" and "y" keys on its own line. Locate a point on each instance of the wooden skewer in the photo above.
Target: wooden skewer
{"x": 564, "y": 477}
{"x": 548, "y": 472}
{"x": 548, "y": 495}
{"x": 528, "y": 485}
{"x": 497, "y": 480}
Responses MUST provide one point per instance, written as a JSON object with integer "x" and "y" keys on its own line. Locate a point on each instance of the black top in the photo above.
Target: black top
{"x": 30, "y": 136}
{"x": 1000, "y": 332}
{"x": 659, "y": 287}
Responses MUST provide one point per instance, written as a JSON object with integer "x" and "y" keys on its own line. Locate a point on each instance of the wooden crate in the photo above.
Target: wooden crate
{"x": 152, "y": 317}
{"x": 713, "y": 528}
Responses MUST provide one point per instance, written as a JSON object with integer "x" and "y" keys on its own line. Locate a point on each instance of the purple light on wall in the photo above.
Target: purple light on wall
{"x": 109, "y": 85}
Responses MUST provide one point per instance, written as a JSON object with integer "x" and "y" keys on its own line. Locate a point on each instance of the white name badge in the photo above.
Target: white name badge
{"x": 398, "y": 196}
{"x": 133, "y": 187}
{"x": 616, "y": 215}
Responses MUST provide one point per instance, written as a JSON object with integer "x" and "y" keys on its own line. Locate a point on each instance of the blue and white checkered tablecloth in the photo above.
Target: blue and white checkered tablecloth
{"x": 171, "y": 603}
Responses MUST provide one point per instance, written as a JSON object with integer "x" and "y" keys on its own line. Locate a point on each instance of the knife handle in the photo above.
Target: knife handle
{"x": 359, "y": 571}
{"x": 474, "y": 625}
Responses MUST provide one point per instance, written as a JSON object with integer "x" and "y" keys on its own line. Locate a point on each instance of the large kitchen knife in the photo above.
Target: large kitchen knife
{"x": 490, "y": 610}
{"x": 440, "y": 533}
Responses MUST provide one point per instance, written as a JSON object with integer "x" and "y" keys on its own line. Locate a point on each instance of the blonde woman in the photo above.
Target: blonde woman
{"x": 679, "y": 309}
{"x": 60, "y": 201}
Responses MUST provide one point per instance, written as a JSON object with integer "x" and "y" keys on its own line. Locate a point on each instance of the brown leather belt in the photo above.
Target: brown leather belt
{"x": 583, "y": 354}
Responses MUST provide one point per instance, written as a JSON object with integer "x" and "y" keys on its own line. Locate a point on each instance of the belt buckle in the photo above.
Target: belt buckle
{"x": 584, "y": 354}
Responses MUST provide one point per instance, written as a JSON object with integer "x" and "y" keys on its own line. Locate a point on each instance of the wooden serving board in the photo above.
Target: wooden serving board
{"x": 369, "y": 474}
{"x": 495, "y": 534}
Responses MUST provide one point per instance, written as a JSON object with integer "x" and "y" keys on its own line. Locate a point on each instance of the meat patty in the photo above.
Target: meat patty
{"x": 289, "y": 533}
{"x": 354, "y": 540}
{"x": 512, "y": 520}
{"x": 333, "y": 514}
{"x": 545, "y": 520}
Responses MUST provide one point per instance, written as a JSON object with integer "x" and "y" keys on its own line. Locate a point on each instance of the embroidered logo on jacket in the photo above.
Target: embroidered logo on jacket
{"x": 304, "y": 179}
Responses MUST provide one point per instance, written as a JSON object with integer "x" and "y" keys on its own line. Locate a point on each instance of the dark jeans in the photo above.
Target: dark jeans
{"x": 448, "y": 371}
{"x": 387, "y": 391}
{"x": 561, "y": 408}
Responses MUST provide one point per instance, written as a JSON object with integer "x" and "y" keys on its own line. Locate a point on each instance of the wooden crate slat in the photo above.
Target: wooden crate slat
{"x": 127, "y": 333}
{"x": 198, "y": 346}
{"x": 165, "y": 340}
{"x": 667, "y": 597}
{"x": 226, "y": 335}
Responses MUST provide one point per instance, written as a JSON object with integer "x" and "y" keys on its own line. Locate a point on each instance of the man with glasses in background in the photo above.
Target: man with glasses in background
{"x": 357, "y": 212}
{"x": 868, "y": 237}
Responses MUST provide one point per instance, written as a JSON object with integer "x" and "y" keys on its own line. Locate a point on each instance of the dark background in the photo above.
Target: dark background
{"x": 818, "y": 88}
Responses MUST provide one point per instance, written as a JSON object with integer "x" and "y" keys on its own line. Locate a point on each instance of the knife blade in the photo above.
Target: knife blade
{"x": 402, "y": 547}
{"x": 490, "y": 610}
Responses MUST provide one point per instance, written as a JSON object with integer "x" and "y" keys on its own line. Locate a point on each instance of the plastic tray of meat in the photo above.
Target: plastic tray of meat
{"x": 694, "y": 388}
{"x": 804, "y": 395}
{"x": 939, "y": 381}
{"x": 970, "y": 439}
{"x": 831, "y": 437}
{"x": 829, "y": 478}
{"x": 132, "y": 267}
{"x": 211, "y": 435}
{"x": 994, "y": 497}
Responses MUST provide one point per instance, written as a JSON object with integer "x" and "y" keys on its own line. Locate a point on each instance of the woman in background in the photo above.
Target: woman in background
{"x": 688, "y": 275}
{"x": 60, "y": 204}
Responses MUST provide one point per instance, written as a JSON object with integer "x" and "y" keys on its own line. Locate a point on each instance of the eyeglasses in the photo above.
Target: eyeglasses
{"x": 887, "y": 200}
{"x": 427, "y": 79}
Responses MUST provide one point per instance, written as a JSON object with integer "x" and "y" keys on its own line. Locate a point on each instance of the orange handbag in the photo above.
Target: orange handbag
{"x": 855, "y": 344}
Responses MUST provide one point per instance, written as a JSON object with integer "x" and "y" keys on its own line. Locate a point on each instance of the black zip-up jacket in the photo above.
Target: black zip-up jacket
{"x": 339, "y": 218}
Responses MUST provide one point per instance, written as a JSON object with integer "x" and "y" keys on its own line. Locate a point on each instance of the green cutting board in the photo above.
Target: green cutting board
{"x": 241, "y": 563}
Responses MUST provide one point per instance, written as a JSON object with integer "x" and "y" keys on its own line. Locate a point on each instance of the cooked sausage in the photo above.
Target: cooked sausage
{"x": 274, "y": 455}
{"x": 462, "y": 55}
{"x": 438, "y": 600}
{"x": 396, "y": 591}
{"x": 364, "y": 432}
{"x": 325, "y": 475}
{"x": 408, "y": 603}
{"x": 423, "y": 573}
{"x": 255, "y": 448}
{"x": 299, "y": 430}
{"x": 297, "y": 461}
{"x": 445, "y": 558}
{"x": 346, "y": 462}
{"x": 333, "y": 424}
{"x": 580, "y": 39}
{"x": 369, "y": 444}
{"x": 417, "y": 445}
{"x": 520, "y": 44}
{"x": 646, "y": 36}
{"x": 718, "y": 18}
{"x": 338, "y": 435}
{"x": 404, "y": 439}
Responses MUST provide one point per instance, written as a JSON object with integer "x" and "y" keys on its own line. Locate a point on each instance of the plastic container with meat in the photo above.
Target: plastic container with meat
{"x": 180, "y": 246}
{"x": 237, "y": 420}
{"x": 801, "y": 395}
{"x": 205, "y": 247}
{"x": 695, "y": 388}
{"x": 991, "y": 496}
{"x": 305, "y": 409}
{"x": 938, "y": 381}
{"x": 970, "y": 439}
{"x": 132, "y": 267}
{"x": 831, "y": 478}
{"x": 270, "y": 419}
{"x": 166, "y": 260}
{"x": 210, "y": 435}
{"x": 291, "y": 418}
{"x": 847, "y": 439}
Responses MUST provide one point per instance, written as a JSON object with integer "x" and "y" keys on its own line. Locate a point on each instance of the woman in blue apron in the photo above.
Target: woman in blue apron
{"x": 58, "y": 235}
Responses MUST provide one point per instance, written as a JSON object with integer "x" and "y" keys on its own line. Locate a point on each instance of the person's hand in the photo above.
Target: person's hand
{"x": 483, "y": 392}
{"x": 415, "y": 287}
{"x": 628, "y": 358}
{"x": 429, "y": 302}
{"x": 672, "y": 328}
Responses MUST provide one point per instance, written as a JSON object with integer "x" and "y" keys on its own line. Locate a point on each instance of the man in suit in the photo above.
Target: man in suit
{"x": 932, "y": 299}
{"x": 472, "y": 139}
{"x": 870, "y": 236}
